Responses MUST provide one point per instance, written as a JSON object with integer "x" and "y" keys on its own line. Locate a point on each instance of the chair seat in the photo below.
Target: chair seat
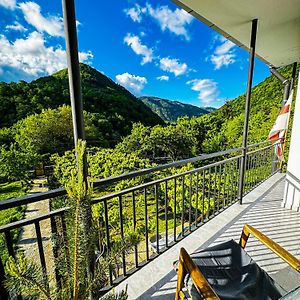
{"x": 233, "y": 274}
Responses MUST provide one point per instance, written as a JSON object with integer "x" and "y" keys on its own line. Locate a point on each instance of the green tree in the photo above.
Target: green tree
{"x": 7, "y": 136}
{"x": 138, "y": 142}
{"x": 15, "y": 164}
{"x": 52, "y": 131}
{"x": 173, "y": 141}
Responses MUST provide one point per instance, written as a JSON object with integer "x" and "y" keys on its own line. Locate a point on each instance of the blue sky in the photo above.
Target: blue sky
{"x": 150, "y": 47}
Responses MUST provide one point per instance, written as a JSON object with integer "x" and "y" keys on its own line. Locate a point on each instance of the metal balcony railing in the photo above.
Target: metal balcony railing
{"x": 161, "y": 211}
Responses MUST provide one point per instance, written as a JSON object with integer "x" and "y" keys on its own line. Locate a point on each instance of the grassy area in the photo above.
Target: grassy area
{"x": 7, "y": 191}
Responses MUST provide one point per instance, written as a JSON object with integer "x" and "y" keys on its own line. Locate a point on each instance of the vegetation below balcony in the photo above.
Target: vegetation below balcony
{"x": 7, "y": 191}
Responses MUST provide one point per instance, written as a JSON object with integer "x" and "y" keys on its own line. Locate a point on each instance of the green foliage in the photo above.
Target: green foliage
{"x": 114, "y": 109}
{"x": 25, "y": 278}
{"x": 172, "y": 141}
{"x": 170, "y": 111}
{"x": 79, "y": 195}
{"x": 138, "y": 141}
{"x": 8, "y": 191}
{"x": 112, "y": 260}
{"x": 15, "y": 163}
{"x": 120, "y": 296}
{"x": 7, "y": 136}
{"x": 51, "y": 131}
{"x": 102, "y": 163}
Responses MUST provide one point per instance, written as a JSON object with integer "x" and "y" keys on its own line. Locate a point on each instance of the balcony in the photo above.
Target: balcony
{"x": 262, "y": 209}
{"x": 191, "y": 203}
{"x": 168, "y": 208}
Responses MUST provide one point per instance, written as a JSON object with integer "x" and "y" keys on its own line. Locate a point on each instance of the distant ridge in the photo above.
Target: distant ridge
{"x": 170, "y": 110}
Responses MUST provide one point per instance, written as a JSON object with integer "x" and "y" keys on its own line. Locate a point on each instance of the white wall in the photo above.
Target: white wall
{"x": 291, "y": 198}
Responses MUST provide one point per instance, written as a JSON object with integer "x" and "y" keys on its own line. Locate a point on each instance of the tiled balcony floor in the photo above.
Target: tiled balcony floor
{"x": 261, "y": 209}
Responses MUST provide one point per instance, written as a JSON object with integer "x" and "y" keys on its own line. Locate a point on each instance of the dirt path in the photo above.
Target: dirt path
{"x": 28, "y": 241}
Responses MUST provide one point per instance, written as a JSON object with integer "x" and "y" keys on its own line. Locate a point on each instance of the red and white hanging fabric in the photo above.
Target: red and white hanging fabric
{"x": 278, "y": 131}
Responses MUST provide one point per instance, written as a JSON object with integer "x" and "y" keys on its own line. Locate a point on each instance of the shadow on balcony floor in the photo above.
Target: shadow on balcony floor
{"x": 261, "y": 209}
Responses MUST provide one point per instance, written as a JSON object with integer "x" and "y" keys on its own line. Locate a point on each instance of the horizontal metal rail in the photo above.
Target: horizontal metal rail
{"x": 110, "y": 180}
{"x": 24, "y": 222}
{"x": 259, "y": 150}
{"x": 258, "y": 144}
{"x": 14, "y": 202}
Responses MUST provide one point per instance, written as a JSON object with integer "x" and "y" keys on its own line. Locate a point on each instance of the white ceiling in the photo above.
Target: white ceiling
{"x": 278, "y": 35}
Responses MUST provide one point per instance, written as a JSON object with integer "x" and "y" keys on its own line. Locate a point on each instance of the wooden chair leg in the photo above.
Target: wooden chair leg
{"x": 180, "y": 278}
{"x": 186, "y": 265}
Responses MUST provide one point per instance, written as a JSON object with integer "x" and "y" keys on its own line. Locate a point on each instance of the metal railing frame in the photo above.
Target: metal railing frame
{"x": 226, "y": 169}
{"x": 10, "y": 203}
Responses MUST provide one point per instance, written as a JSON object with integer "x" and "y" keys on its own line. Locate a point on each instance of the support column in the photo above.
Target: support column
{"x": 74, "y": 73}
{"x": 247, "y": 109}
{"x": 293, "y": 76}
{"x": 73, "y": 69}
{"x": 76, "y": 101}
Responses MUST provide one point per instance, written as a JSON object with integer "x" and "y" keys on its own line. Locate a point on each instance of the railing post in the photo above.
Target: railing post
{"x": 247, "y": 109}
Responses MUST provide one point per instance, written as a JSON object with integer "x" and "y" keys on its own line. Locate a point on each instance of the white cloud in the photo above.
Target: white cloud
{"x": 163, "y": 78}
{"x": 135, "y": 13}
{"x": 53, "y": 25}
{"x": 173, "y": 65}
{"x": 85, "y": 56}
{"x": 131, "y": 82}
{"x": 207, "y": 88}
{"x": 30, "y": 56}
{"x": 16, "y": 26}
{"x": 10, "y": 4}
{"x": 175, "y": 21}
{"x": 135, "y": 43}
{"x": 223, "y": 54}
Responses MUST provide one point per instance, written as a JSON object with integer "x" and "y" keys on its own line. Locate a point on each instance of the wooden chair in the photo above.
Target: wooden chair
{"x": 206, "y": 269}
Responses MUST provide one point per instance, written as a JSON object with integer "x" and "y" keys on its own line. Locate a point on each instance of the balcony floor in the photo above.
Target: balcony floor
{"x": 261, "y": 209}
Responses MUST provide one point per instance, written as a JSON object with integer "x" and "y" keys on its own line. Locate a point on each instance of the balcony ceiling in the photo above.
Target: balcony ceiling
{"x": 278, "y": 36}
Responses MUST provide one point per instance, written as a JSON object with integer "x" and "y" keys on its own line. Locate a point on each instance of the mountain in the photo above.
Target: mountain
{"x": 170, "y": 111}
{"x": 115, "y": 109}
{"x": 223, "y": 128}
{"x": 209, "y": 109}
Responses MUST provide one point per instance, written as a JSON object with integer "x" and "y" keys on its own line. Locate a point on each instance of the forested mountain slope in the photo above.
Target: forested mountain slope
{"x": 113, "y": 107}
{"x": 170, "y": 111}
{"x": 224, "y": 126}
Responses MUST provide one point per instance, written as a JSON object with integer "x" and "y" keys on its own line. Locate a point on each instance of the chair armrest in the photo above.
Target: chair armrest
{"x": 273, "y": 246}
{"x": 186, "y": 265}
